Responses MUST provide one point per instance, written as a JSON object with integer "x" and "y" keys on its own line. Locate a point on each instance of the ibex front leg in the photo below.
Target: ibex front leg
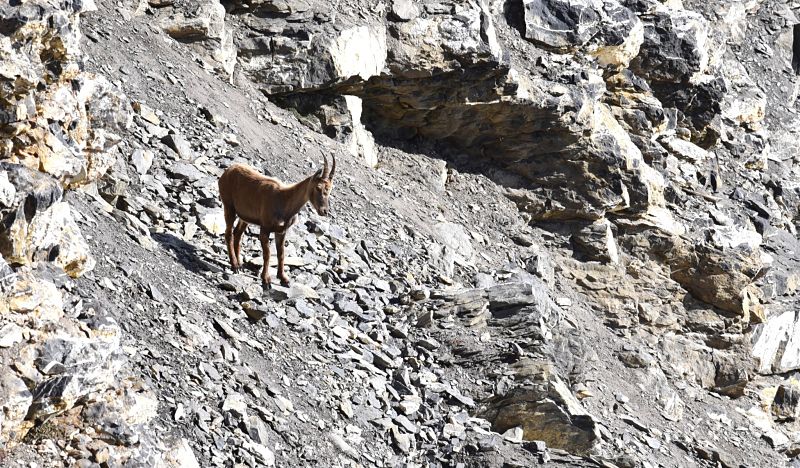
{"x": 230, "y": 217}
{"x": 264, "y": 238}
{"x": 280, "y": 237}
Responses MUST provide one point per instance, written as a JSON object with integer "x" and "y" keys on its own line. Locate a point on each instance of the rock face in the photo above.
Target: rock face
{"x": 59, "y": 360}
{"x": 407, "y": 91}
{"x": 67, "y": 129}
{"x": 617, "y": 134}
{"x": 573, "y": 226}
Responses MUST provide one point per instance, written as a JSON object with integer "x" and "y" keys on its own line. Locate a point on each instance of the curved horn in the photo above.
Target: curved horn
{"x": 333, "y": 168}
{"x": 325, "y": 168}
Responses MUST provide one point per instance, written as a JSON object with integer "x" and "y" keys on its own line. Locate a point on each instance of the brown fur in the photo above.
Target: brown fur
{"x": 270, "y": 204}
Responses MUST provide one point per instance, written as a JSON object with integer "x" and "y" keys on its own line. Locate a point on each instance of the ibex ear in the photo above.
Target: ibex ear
{"x": 318, "y": 174}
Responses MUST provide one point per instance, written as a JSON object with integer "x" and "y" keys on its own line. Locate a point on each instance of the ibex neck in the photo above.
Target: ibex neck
{"x": 297, "y": 195}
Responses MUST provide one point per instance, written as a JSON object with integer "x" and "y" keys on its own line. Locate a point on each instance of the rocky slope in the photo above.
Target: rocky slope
{"x": 563, "y": 232}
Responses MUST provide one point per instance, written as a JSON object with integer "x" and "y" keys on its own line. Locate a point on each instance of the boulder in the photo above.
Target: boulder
{"x": 596, "y": 242}
{"x": 545, "y": 409}
{"x": 203, "y": 25}
{"x": 720, "y": 275}
{"x": 776, "y": 343}
{"x": 15, "y": 399}
{"x": 52, "y": 235}
{"x": 38, "y": 226}
{"x": 675, "y": 47}
{"x": 603, "y": 28}
{"x": 75, "y": 366}
{"x": 786, "y": 405}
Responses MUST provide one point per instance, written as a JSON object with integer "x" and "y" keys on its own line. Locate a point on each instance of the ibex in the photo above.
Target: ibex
{"x": 270, "y": 204}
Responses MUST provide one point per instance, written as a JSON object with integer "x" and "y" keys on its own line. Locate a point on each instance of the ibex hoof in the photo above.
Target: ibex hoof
{"x": 235, "y": 269}
{"x": 284, "y": 281}
{"x": 266, "y": 284}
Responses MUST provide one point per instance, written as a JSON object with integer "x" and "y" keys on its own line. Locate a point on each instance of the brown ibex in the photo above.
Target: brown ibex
{"x": 270, "y": 204}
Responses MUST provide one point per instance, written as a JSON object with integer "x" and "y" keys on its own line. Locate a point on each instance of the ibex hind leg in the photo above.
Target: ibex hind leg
{"x": 280, "y": 239}
{"x": 238, "y": 232}
{"x": 230, "y": 218}
{"x": 263, "y": 236}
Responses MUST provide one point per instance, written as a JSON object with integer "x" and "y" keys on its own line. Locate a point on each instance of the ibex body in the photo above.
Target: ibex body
{"x": 270, "y": 204}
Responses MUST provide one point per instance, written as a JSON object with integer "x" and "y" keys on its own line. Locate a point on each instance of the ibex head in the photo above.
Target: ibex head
{"x": 322, "y": 184}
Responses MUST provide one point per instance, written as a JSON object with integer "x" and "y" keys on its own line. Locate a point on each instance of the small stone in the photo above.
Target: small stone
{"x": 536, "y": 446}
{"x": 262, "y": 453}
{"x": 344, "y": 447}
{"x": 155, "y": 293}
{"x": 346, "y": 408}
{"x": 257, "y": 430}
{"x": 403, "y": 10}
{"x": 401, "y": 441}
{"x": 180, "y": 454}
{"x": 513, "y": 435}
{"x": 406, "y": 424}
{"x": 142, "y": 160}
{"x": 179, "y": 144}
{"x": 425, "y": 319}
{"x": 180, "y": 413}
{"x": 10, "y": 335}
{"x": 236, "y": 404}
{"x": 410, "y": 404}
{"x": 283, "y": 403}
{"x": 185, "y": 171}
{"x": 428, "y": 343}
{"x": 785, "y": 406}
{"x": 636, "y": 358}
{"x": 456, "y": 431}
{"x": 420, "y": 294}
{"x": 213, "y": 222}
{"x": 102, "y": 456}
{"x": 146, "y": 112}
{"x": 382, "y": 361}
{"x": 254, "y": 312}
{"x": 231, "y": 139}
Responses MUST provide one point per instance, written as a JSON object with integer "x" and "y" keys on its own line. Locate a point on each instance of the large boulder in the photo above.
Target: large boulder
{"x": 39, "y": 226}
{"x": 74, "y": 366}
{"x": 603, "y": 28}
{"x": 720, "y": 272}
{"x": 776, "y": 343}
{"x": 291, "y": 60}
{"x": 203, "y": 24}
{"x": 679, "y": 57}
{"x": 544, "y": 407}
{"x": 675, "y": 47}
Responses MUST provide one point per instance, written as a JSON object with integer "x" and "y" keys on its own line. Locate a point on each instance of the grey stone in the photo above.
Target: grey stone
{"x": 185, "y": 171}
{"x": 403, "y": 10}
{"x": 142, "y": 160}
